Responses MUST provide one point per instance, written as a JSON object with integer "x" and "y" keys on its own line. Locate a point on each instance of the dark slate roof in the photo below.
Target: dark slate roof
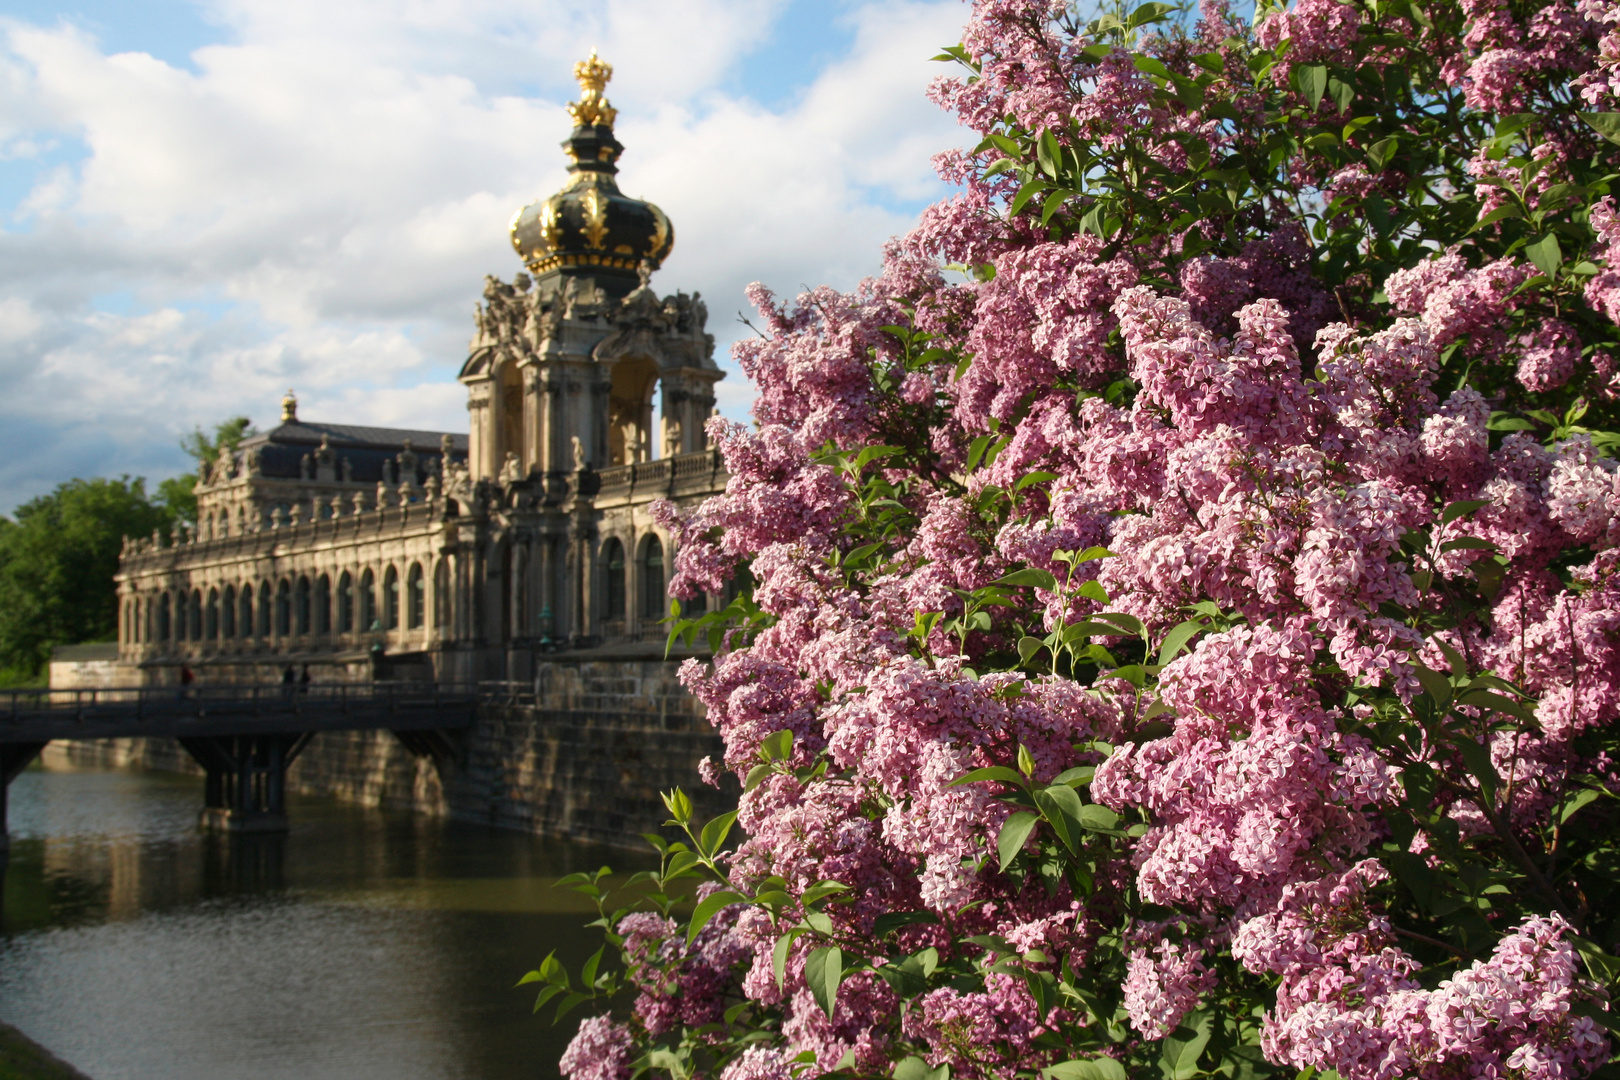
{"x": 368, "y": 450}
{"x": 304, "y": 432}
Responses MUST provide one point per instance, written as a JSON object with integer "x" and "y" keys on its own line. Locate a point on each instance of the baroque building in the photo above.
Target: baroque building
{"x": 373, "y": 552}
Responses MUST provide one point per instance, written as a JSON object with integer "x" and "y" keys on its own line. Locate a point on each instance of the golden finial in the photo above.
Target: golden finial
{"x": 592, "y": 108}
{"x": 289, "y": 408}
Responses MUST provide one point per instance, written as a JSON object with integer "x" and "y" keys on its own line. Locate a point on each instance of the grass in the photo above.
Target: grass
{"x": 23, "y": 1059}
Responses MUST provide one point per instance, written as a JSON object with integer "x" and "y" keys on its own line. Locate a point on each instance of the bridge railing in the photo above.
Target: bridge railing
{"x": 278, "y": 697}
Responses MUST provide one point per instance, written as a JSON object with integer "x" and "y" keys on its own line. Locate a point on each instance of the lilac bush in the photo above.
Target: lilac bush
{"x": 1183, "y": 625}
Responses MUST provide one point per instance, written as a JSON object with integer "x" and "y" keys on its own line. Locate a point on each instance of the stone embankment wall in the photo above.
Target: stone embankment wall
{"x": 584, "y": 756}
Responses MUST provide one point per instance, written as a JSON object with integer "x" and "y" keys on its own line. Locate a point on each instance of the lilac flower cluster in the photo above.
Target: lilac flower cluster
{"x": 1187, "y": 531}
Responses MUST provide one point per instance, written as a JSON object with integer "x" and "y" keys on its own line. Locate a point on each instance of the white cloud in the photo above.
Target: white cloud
{"x": 316, "y": 202}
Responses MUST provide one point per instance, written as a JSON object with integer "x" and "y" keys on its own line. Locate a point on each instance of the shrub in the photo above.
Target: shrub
{"x": 1185, "y": 639}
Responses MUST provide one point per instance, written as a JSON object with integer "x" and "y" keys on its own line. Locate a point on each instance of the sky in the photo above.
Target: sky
{"x": 206, "y": 202}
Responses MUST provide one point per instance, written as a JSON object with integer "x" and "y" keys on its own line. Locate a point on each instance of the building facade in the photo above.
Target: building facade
{"x": 379, "y": 553}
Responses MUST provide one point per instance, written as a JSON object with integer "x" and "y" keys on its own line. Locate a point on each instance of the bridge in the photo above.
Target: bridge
{"x": 244, "y": 737}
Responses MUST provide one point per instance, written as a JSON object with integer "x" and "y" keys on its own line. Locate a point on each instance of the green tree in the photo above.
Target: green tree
{"x": 57, "y": 561}
{"x": 179, "y": 492}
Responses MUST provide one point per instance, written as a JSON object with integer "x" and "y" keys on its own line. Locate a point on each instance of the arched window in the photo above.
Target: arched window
{"x": 284, "y": 608}
{"x": 441, "y": 593}
{"x": 265, "y": 609}
{"x": 345, "y": 604}
{"x": 227, "y": 613}
{"x": 244, "y": 617}
{"x": 163, "y": 625}
{"x": 391, "y": 599}
{"x": 368, "y": 600}
{"x": 652, "y": 578}
{"x": 211, "y": 629}
{"x": 613, "y": 563}
{"x": 195, "y": 621}
{"x": 323, "y": 605}
{"x": 415, "y": 598}
{"x": 224, "y": 524}
{"x": 302, "y": 606}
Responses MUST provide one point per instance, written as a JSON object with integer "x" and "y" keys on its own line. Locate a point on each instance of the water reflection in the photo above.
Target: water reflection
{"x": 361, "y": 944}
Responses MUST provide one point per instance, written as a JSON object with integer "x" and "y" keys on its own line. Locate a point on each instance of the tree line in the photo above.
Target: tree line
{"x": 59, "y": 552}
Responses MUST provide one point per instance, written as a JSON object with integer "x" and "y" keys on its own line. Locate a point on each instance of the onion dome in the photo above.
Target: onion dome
{"x": 590, "y": 228}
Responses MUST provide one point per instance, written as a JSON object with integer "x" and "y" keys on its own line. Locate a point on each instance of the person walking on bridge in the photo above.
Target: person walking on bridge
{"x": 289, "y": 683}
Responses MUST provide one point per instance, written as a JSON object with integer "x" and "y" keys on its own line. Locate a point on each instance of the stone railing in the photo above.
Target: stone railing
{"x": 145, "y": 553}
{"x": 666, "y": 476}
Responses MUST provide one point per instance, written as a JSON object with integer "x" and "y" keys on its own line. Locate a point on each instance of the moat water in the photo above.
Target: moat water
{"x": 362, "y": 944}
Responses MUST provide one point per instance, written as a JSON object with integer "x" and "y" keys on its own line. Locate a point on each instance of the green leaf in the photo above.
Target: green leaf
{"x": 1342, "y": 93}
{"x": 1425, "y": 885}
{"x": 778, "y": 745}
{"x": 1176, "y": 640}
{"x": 1061, "y": 806}
{"x": 1030, "y": 189}
{"x": 1048, "y": 154}
{"x": 991, "y": 772}
{"x": 872, "y": 453}
{"x": 708, "y": 907}
{"x": 1179, "y": 1059}
{"x": 779, "y": 954}
{"x": 821, "y": 890}
{"x": 1311, "y": 80}
{"x": 976, "y": 451}
{"x": 824, "y": 971}
{"x": 1504, "y": 422}
{"x": 915, "y": 1068}
{"x": 1129, "y": 623}
{"x": 1098, "y": 1068}
{"x": 1151, "y": 12}
{"x": 756, "y": 777}
{"x": 894, "y": 920}
{"x": 1478, "y": 759}
{"x": 1605, "y": 124}
{"x": 1461, "y": 508}
{"x": 587, "y": 974}
{"x": 1436, "y": 685}
{"x": 1545, "y": 253}
{"x": 1501, "y": 213}
{"x": 1576, "y": 801}
{"x": 1095, "y": 816}
{"x": 1091, "y": 590}
{"x": 1014, "y": 833}
{"x": 1030, "y": 576}
{"x": 1028, "y": 647}
{"x": 714, "y": 833}
{"x": 1484, "y": 699}
{"x": 1381, "y": 151}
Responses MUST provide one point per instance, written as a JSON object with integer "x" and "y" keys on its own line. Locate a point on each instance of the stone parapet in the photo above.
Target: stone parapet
{"x": 585, "y": 756}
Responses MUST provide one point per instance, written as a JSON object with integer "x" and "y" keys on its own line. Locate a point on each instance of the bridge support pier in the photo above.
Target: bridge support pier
{"x": 246, "y": 786}
{"x": 14, "y": 758}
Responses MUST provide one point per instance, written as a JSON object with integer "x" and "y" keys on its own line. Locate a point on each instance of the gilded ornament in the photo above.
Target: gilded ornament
{"x": 592, "y": 109}
{"x": 550, "y": 226}
{"x": 595, "y": 207}
{"x": 660, "y": 232}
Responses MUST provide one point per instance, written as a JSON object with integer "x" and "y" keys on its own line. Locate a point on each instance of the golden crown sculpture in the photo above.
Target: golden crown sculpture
{"x": 592, "y": 108}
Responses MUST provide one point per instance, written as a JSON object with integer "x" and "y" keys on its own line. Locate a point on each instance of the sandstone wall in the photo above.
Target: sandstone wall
{"x": 584, "y": 756}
